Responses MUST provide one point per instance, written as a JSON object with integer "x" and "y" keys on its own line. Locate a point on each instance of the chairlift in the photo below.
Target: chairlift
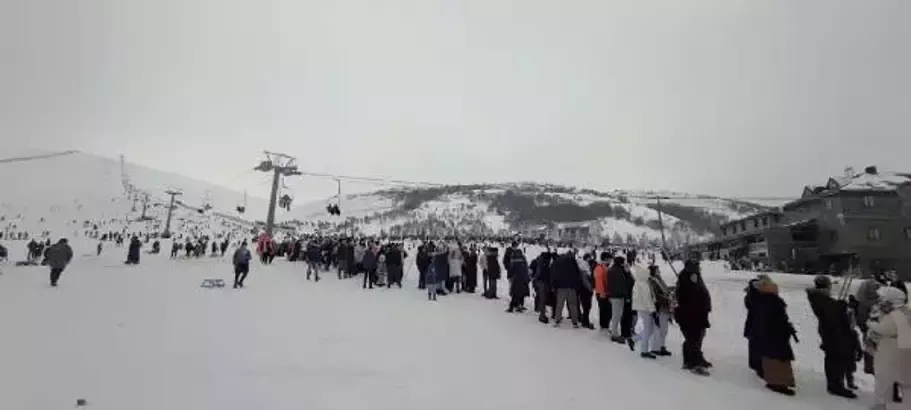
{"x": 285, "y": 202}
{"x": 243, "y": 208}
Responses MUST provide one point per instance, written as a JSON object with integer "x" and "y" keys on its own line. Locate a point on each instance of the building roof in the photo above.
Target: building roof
{"x": 884, "y": 181}
{"x": 582, "y": 224}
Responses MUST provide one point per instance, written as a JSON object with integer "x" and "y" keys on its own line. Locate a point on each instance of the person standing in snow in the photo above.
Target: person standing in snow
{"x": 542, "y": 280}
{"x": 313, "y": 256}
{"x": 692, "y": 314}
{"x": 750, "y": 329}
{"x": 382, "y": 273}
{"x": 368, "y": 262}
{"x": 889, "y": 342}
{"x": 566, "y": 278}
{"x": 241, "y": 262}
{"x": 431, "y": 282}
{"x": 839, "y": 341}
{"x": 600, "y": 282}
{"x": 517, "y": 273}
{"x": 471, "y": 269}
{"x": 423, "y": 261}
{"x": 662, "y": 315}
{"x": 455, "y": 266}
{"x": 586, "y": 289}
{"x": 490, "y": 267}
{"x": 619, "y": 290}
{"x": 774, "y": 332}
{"x": 644, "y": 303}
{"x": 133, "y": 251}
{"x": 441, "y": 268}
{"x": 58, "y": 257}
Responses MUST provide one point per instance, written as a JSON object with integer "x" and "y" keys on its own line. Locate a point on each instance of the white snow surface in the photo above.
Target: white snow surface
{"x": 149, "y": 338}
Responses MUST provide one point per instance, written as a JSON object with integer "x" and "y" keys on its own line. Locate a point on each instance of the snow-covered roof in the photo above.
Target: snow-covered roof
{"x": 881, "y": 181}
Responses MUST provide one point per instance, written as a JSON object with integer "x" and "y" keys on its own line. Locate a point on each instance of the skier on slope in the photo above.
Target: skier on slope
{"x": 241, "y": 261}
{"x": 58, "y": 257}
{"x": 133, "y": 252}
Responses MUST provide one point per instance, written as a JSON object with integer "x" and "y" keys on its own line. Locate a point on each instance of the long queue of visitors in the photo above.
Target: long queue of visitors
{"x": 872, "y": 326}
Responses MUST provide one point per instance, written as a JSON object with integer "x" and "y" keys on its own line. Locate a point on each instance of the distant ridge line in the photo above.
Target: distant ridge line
{"x": 37, "y": 157}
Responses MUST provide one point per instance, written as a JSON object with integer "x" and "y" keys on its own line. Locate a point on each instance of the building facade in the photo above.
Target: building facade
{"x": 861, "y": 219}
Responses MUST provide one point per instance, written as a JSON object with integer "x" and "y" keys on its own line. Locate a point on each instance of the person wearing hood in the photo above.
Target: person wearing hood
{"x": 644, "y": 303}
{"x": 619, "y": 290}
{"x": 566, "y": 278}
{"x": 423, "y": 261}
{"x": 58, "y": 257}
{"x": 839, "y": 341}
{"x": 692, "y": 314}
{"x": 774, "y": 332}
{"x": 889, "y": 341}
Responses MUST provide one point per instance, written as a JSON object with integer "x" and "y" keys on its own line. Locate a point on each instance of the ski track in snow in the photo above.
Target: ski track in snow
{"x": 148, "y": 337}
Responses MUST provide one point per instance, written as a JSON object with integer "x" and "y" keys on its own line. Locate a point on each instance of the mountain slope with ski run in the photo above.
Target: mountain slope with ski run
{"x": 58, "y": 192}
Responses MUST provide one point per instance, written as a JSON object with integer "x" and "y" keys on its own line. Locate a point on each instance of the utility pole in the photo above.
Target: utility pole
{"x": 167, "y": 226}
{"x": 661, "y": 221}
{"x": 280, "y": 165}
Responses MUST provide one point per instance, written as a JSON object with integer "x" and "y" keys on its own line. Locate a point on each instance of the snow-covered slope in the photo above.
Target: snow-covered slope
{"x": 525, "y": 208}
{"x": 68, "y": 193}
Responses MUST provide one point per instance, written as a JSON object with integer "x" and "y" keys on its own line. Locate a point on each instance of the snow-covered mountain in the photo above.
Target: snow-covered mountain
{"x": 526, "y": 208}
{"x": 69, "y": 193}
{"x": 63, "y": 192}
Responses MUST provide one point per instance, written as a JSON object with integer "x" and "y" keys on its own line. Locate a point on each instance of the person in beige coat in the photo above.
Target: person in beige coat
{"x": 889, "y": 341}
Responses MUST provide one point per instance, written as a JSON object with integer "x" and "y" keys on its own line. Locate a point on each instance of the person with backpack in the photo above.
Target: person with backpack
{"x": 241, "y": 261}
{"x": 58, "y": 257}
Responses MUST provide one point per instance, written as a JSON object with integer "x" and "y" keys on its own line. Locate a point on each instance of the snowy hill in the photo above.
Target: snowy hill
{"x": 70, "y": 193}
{"x": 524, "y": 208}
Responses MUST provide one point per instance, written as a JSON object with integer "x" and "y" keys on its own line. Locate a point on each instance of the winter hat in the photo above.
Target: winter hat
{"x": 892, "y": 296}
{"x": 822, "y": 282}
{"x": 766, "y": 284}
{"x": 605, "y": 256}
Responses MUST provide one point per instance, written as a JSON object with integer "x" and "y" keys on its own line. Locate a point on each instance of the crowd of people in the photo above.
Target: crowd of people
{"x": 635, "y": 306}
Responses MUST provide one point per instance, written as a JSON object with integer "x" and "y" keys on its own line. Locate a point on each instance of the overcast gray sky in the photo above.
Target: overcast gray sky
{"x": 726, "y": 97}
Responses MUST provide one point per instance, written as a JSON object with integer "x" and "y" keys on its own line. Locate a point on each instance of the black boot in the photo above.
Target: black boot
{"x": 780, "y": 389}
{"x": 842, "y": 392}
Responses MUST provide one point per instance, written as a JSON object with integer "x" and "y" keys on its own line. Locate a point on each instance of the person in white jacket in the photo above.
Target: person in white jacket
{"x": 455, "y": 266}
{"x": 644, "y": 306}
{"x": 889, "y": 341}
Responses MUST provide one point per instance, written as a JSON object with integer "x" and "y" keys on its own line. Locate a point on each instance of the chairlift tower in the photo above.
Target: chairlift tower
{"x": 167, "y": 227}
{"x": 280, "y": 165}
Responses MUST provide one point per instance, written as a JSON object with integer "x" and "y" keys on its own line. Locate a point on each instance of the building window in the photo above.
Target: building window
{"x": 873, "y": 234}
{"x": 765, "y": 221}
{"x": 869, "y": 202}
{"x": 755, "y": 223}
{"x": 743, "y": 225}
{"x": 908, "y": 233}
{"x": 828, "y": 204}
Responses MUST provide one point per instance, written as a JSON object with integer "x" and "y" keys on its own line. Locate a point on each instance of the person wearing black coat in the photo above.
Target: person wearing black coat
{"x": 566, "y": 279}
{"x": 492, "y": 273}
{"x": 773, "y": 333}
{"x": 750, "y": 329}
{"x": 620, "y": 292}
{"x": 133, "y": 252}
{"x": 470, "y": 270}
{"x": 692, "y": 315}
{"x": 541, "y": 280}
{"x": 423, "y": 261}
{"x": 441, "y": 269}
{"x": 395, "y": 257}
{"x": 840, "y": 343}
{"x": 517, "y": 272}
